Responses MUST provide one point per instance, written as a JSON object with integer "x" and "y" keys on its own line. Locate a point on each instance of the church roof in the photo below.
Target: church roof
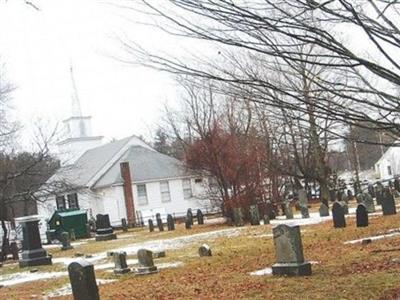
{"x": 100, "y": 167}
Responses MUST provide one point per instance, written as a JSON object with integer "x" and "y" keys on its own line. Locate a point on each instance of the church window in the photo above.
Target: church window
{"x": 187, "y": 189}
{"x": 60, "y": 202}
{"x": 142, "y": 194}
{"x": 73, "y": 201}
{"x": 165, "y": 193}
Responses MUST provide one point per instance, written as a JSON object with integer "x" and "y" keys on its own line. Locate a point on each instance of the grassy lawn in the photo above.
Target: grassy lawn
{"x": 351, "y": 271}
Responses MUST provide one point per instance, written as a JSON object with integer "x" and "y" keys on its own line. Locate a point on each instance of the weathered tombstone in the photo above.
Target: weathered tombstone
{"x": 371, "y": 190}
{"x": 332, "y": 195}
{"x": 303, "y": 202}
{"x": 72, "y": 235}
{"x": 188, "y": 224}
{"x": 146, "y": 263}
{"x": 104, "y": 231}
{"x": 189, "y": 216}
{"x": 339, "y": 221}
{"x": 33, "y": 253}
{"x": 270, "y": 211}
{"x": 83, "y": 280}
{"x": 124, "y": 225}
{"x": 238, "y": 216}
{"x": 349, "y": 195}
{"x": 288, "y": 210}
{"x": 121, "y": 267}
{"x": 323, "y": 210}
{"x": 200, "y": 217}
{"x": 289, "y": 252}
{"x": 397, "y": 184}
{"x": 151, "y": 225}
{"x": 254, "y": 215}
{"x": 368, "y": 201}
{"x": 170, "y": 222}
{"x": 266, "y": 219}
{"x": 204, "y": 250}
{"x": 160, "y": 224}
{"x": 361, "y": 215}
{"x": 14, "y": 250}
{"x": 65, "y": 241}
{"x": 388, "y": 204}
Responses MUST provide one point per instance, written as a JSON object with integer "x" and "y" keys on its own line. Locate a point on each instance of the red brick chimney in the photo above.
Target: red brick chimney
{"x": 128, "y": 194}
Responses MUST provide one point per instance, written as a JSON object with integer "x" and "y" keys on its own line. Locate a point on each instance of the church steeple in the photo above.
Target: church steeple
{"x": 77, "y": 136}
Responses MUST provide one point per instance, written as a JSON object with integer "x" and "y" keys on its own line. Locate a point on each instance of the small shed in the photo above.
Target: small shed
{"x": 66, "y": 220}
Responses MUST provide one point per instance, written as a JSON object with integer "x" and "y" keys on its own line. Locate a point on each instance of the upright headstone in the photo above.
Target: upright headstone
{"x": 151, "y": 225}
{"x": 289, "y": 252}
{"x": 238, "y": 216}
{"x": 189, "y": 216}
{"x": 270, "y": 211}
{"x": 14, "y": 250}
{"x": 72, "y": 234}
{"x": 65, "y": 241}
{"x": 160, "y": 224}
{"x": 388, "y": 204}
{"x": 104, "y": 231}
{"x": 266, "y": 219}
{"x": 339, "y": 220}
{"x": 349, "y": 195}
{"x": 188, "y": 224}
{"x": 323, "y": 210}
{"x": 124, "y": 225}
{"x": 332, "y": 195}
{"x": 200, "y": 217}
{"x": 204, "y": 250}
{"x": 371, "y": 190}
{"x": 361, "y": 215}
{"x": 170, "y": 222}
{"x": 121, "y": 267}
{"x": 288, "y": 210}
{"x": 379, "y": 193}
{"x": 33, "y": 253}
{"x": 254, "y": 215}
{"x": 146, "y": 263}
{"x": 83, "y": 280}
{"x": 368, "y": 201}
{"x": 303, "y": 202}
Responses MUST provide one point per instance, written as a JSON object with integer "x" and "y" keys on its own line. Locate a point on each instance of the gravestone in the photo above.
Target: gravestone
{"x": 65, "y": 241}
{"x": 104, "y": 231}
{"x": 200, "y": 217}
{"x": 151, "y": 225}
{"x": 332, "y": 195}
{"x": 361, "y": 215}
{"x": 189, "y": 216}
{"x": 160, "y": 224}
{"x": 349, "y": 195}
{"x": 379, "y": 193}
{"x": 254, "y": 215}
{"x": 124, "y": 225}
{"x": 368, "y": 201}
{"x": 238, "y": 216}
{"x": 270, "y": 210}
{"x": 72, "y": 235}
{"x": 371, "y": 190}
{"x": 266, "y": 219}
{"x": 388, "y": 204}
{"x": 146, "y": 263}
{"x": 188, "y": 224}
{"x": 289, "y": 252}
{"x": 303, "y": 202}
{"x": 204, "y": 250}
{"x": 33, "y": 253}
{"x": 288, "y": 210}
{"x": 170, "y": 222}
{"x": 121, "y": 267}
{"x": 14, "y": 250}
{"x": 338, "y": 218}
{"x": 323, "y": 210}
{"x": 83, "y": 280}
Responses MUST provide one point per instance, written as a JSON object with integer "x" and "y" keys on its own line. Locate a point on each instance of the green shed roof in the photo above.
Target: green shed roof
{"x": 71, "y": 213}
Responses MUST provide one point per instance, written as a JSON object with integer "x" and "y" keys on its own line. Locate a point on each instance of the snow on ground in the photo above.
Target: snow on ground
{"x": 373, "y": 238}
{"x": 175, "y": 264}
{"x": 266, "y": 271}
{"x": 23, "y": 277}
{"x": 74, "y": 244}
{"x": 314, "y": 218}
{"x": 67, "y": 290}
{"x": 159, "y": 245}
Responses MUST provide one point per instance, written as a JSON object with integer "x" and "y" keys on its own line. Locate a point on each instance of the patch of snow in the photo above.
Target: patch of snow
{"x": 23, "y": 277}
{"x": 111, "y": 265}
{"x": 170, "y": 265}
{"x": 373, "y": 238}
{"x": 314, "y": 218}
{"x": 220, "y": 220}
{"x": 67, "y": 290}
{"x": 266, "y": 271}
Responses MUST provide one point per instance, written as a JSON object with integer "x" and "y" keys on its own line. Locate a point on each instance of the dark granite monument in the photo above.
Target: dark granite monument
{"x": 104, "y": 231}
{"x": 254, "y": 215}
{"x": 83, "y": 280}
{"x": 160, "y": 224}
{"x": 151, "y": 225}
{"x": 361, "y": 216}
{"x": 339, "y": 220}
{"x": 146, "y": 263}
{"x": 200, "y": 217}
{"x": 170, "y": 222}
{"x": 388, "y": 204}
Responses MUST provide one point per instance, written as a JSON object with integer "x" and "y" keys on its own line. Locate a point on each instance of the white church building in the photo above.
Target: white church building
{"x": 124, "y": 178}
{"x": 388, "y": 166}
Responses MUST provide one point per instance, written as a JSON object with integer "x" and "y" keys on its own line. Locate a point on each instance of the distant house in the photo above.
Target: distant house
{"x": 388, "y": 166}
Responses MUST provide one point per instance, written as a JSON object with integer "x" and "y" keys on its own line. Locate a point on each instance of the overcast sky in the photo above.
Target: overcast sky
{"x": 38, "y": 47}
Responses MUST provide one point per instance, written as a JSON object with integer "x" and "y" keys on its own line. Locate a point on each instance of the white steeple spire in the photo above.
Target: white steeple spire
{"x": 76, "y": 104}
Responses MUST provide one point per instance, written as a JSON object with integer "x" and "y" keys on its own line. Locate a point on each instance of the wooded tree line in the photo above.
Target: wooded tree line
{"x": 293, "y": 69}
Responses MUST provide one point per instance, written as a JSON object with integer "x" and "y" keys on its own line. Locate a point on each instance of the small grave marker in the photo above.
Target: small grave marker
{"x": 361, "y": 216}
{"x": 204, "y": 250}
{"x": 146, "y": 263}
{"x": 339, "y": 220}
